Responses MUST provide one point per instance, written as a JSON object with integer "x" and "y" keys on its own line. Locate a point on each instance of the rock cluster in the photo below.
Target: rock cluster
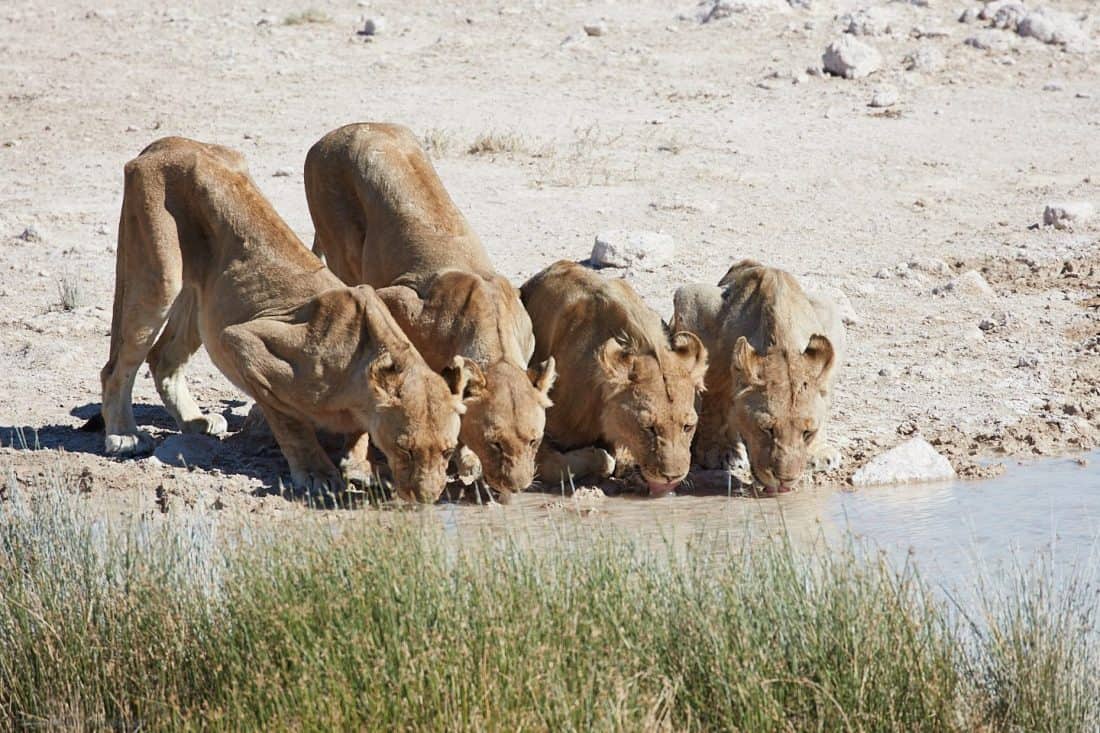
{"x": 1047, "y": 25}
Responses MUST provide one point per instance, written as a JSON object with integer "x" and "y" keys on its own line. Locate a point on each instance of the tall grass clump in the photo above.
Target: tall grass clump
{"x": 384, "y": 622}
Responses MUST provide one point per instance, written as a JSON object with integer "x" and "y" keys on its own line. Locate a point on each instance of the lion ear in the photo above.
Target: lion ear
{"x": 616, "y": 360}
{"x": 748, "y": 362}
{"x": 543, "y": 377}
{"x": 820, "y": 355}
{"x": 694, "y": 355}
{"x": 385, "y": 377}
{"x": 464, "y": 378}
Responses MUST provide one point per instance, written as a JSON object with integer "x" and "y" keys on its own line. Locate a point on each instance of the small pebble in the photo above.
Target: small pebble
{"x": 283, "y": 173}
{"x": 373, "y": 26}
{"x": 884, "y": 97}
{"x": 598, "y": 28}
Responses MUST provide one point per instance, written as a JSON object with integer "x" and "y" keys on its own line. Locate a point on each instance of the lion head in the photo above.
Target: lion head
{"x": 504, "y": 422}
{"x": 649, "y": 408}
{"x": 780, "y": 404}
{"x": 416, "y": 420}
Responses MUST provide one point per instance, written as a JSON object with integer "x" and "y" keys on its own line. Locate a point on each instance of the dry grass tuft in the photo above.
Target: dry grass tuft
{"x": 307, "y": 16}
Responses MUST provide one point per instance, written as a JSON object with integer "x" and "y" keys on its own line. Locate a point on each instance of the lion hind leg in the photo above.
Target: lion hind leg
{"x": 168, "y": 362}
{"x": 143, "y": 300}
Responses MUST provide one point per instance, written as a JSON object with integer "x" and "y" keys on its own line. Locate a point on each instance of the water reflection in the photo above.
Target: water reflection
{"x": 959, "y": 529}
{"x": 955, "y": 530}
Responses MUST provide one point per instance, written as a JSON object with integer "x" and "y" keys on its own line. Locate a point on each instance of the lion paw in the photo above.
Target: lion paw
{"x": 129, "y": 444}
{"x": 209, "y": 424}
{"x": 320, "y": 484}
{"x": 723, "y": 458}
{"x": 599, "y": 463}
{"x": 825, "y": 458}
{"x": 467, "y": 465}
{"x": 356, "y": 474}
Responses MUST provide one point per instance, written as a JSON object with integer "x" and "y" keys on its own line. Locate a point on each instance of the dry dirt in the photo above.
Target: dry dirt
{"x": 712, "y": 133}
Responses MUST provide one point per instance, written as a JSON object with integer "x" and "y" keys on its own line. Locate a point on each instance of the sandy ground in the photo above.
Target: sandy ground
{"x": 713, "y": 133}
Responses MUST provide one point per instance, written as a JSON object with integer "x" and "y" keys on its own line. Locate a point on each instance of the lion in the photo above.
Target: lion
{"x": 382, "y": 217}
{"x": 626, "y": 388}
{"x": 774, "y": 352}
{"x": 203, "y": 256}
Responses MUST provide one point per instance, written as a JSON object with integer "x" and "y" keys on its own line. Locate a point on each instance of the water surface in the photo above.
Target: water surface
{"x": 955, "y": 530}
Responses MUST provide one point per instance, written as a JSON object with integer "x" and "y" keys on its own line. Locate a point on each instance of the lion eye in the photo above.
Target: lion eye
{"x": 688, "y": 427}
{"x": 448, "y": 453}
{"x": 534, "y": 443}
{"x": 497, "y": 447}
{"x": 769, "y": 431}
{"x": 808, "y": 435}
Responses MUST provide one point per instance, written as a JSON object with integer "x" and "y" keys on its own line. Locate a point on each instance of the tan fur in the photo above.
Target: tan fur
{"x": 774, "y": 352}
{"x": 623, "y": 385}
{"x": 202, "y": 254}
{"x": 383, "y": 218}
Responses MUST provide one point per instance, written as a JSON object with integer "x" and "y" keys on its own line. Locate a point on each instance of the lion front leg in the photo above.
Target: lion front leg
{"x": 355, "y": 466}
{"x": 715, "y": 445}
{"x": 311, "y": 470}
{"x": 587, "y": 462}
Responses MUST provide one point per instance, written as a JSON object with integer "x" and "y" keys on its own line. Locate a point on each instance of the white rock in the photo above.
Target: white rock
{"x": 1056, "y": 28}
{"x": 717, "y": 9}
{"x": 988, "y": 40}
{"x": 884, "y": 97}
{"x": 373, "y": 26}
{"x": 1004, "y": 13}
{"x": 850, "y": 58}
{"x": 933, "y": 265}
{"x": 1053, "y": 86}
{"x": 599, "y": 28}
{"x": 623, "y": 248}
{"x": 872, "y": 21}
{"x": 187, "y": 449}
{"x": 283, "y": 173}
{"x": 1063, "y": 214}
{"x": 971, "y": 282}
{"x": 913, "y": 461}
{"x": 925, "y": 59}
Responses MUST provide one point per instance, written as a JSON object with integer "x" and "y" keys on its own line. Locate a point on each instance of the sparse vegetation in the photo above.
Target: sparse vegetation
{"x": 589, "y": 160}
{"x": 384, "y": 622}
{"x": 496, "y": 142}
{"x": 437, "y": 141}
{"x": 69, "y": 294}
{"x": 309, "y": 15}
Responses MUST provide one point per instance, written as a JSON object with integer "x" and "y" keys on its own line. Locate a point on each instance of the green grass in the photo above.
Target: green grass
{"x": 381, "y": 622}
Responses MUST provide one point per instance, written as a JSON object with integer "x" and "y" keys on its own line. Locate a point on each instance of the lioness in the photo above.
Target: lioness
{"x": 203, "y": 254}
{"x": 773, "y": 356}
{"x": 383, "y": 217}
{"x": 624, "y": 384}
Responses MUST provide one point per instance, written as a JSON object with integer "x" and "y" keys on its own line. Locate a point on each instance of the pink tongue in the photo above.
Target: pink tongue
{"x": 657, "y": 489}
